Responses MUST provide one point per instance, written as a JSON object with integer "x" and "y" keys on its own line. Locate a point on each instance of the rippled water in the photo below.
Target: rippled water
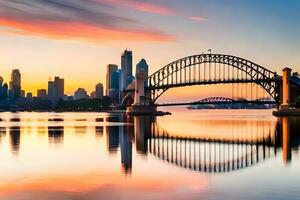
{"x": 224, "y": 154}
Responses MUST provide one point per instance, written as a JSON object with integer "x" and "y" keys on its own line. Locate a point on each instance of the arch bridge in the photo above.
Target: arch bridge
{"x": 208, "y": 69}
{"x": 219, "y": 100}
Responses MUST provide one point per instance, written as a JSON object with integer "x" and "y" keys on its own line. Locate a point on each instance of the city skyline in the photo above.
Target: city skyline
{"x": 160, "y": 32}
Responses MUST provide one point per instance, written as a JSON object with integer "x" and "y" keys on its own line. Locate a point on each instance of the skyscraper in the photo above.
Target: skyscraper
{"x": 126, "y": 67}
{"x": 99, "y": 91}
{"x": 59, "y": 85}
{"x": 56, "y": 90}
{"x": 15, "y": 84}
{"x": 3, "y": 89}
{"x": 109, "y": 70}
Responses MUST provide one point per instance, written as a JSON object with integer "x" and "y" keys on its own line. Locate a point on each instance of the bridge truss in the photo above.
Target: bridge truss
{"x": 208, "y": 69}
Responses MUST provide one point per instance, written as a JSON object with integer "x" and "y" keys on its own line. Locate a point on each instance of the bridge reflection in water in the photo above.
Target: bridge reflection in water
{"x": 210, "y": 155}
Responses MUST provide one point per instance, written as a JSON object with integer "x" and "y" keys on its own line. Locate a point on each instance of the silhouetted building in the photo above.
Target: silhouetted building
{"x": 15, "y": 84}
{"x": 110, "y": 69}
{"x": 126, "y": 67}
{"x": 115, "y": 86}
{"x": 56, "y": 90}
{"x": 29, "y": 95}
{"x": 42, "y": 94}
{"x": 3, "y": 89}
{"x": 80, "y": 93}
{"x": 93, "y": 95}
{"x": 99, "y": 91}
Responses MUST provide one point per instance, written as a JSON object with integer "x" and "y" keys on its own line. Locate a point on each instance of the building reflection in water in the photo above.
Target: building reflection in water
{"x": 99, "y": 131}
{"x": 14, "y": 133}
{"x": 112, "y": 138}
{"x": 55, "y": 134}
{"x": 142, "y": 132}
{"x": 80, "y": 129}
{"x": 2, "y": 133}
{"x": 126, "y": 138}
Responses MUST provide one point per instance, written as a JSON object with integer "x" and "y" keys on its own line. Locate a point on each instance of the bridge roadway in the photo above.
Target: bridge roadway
{"x": 209, "y": 82}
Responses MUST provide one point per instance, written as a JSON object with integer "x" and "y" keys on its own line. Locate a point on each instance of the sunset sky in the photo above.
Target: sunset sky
{"x": 76, "y": 39}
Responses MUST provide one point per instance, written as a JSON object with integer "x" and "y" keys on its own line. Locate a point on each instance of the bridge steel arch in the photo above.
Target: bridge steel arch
{"x": 189, "y": 71}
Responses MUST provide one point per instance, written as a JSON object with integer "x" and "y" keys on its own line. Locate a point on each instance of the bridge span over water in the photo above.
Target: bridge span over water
{"x": 246, "y": 77}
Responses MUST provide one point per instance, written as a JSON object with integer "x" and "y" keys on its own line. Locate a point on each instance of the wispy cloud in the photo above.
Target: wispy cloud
{"x": 198, "y": 18}
{"x": 89, "y": 20}
{"x": 143, "y": 6}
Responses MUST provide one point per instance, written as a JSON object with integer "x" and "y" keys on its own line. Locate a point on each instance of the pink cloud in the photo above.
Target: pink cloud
{"x": 80, "y": 31}
{"x": 141, "y": 6}
{"x": 198, "y": 18}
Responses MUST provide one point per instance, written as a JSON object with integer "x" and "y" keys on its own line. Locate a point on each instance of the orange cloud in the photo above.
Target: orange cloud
{"x": 80, "y": 31}
{"x": 141, "y": 6}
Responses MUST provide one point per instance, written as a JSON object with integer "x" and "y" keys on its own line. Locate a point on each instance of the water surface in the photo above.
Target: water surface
{"x": 223, "y": 154}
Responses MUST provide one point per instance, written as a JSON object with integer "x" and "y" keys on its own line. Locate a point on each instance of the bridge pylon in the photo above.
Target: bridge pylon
{"x": 141, "y": 105}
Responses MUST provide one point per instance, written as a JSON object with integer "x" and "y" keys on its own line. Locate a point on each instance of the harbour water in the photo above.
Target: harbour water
{"x": 191, "y": 154}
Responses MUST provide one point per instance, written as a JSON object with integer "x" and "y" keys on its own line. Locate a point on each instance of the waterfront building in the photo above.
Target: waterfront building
{"x": 126, "y": 67}
{"x": 42, "y": 94}
{"x": 99, "y": 91}
{"x": 115, "y": 86}
{"x": 29, "y": 95}
{"x": 3, "y": 89}
{"x": 93, "y": 95}
{"x": 56, "y": 90}
{"x": 80, "y": 93}
{"x": 109, "y": 70}
{"x": 15, "y": 84}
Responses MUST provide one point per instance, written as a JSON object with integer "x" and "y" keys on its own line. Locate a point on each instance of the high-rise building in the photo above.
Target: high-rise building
{"x": 99, "y": 91}
{"x": 115, "y": 86}
{"x": 109, "y": 70}
{"x": 4, "y": 91}
{"x": 80, "y": 93}
{"x": 15, "y": 84}
{"x": 126, "y": 67}
{"x": 56, "y": 90}
{"x": 42, "y": 94}
{"x": 59, "y": 86}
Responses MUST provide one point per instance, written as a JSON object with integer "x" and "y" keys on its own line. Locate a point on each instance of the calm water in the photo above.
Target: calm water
{"x": 189, "y": 155}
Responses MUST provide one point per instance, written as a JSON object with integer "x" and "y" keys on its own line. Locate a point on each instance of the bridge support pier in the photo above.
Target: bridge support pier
{"x": 141, "y": 105}
{"x": 286, "y": 93}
